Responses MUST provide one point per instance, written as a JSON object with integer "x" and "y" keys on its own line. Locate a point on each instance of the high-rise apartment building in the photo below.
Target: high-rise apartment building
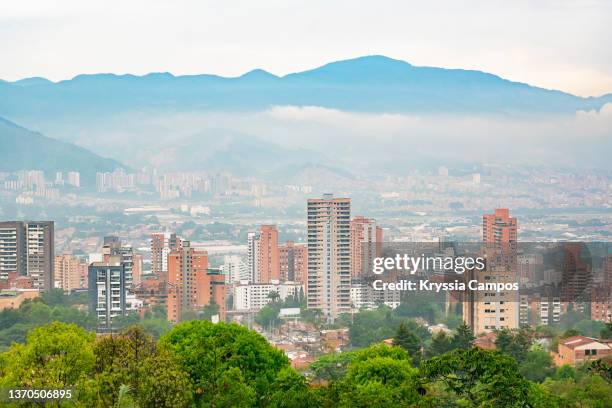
{"x": 329, "y": 255}
{"x": 499, "y": 227}
{"x": 114, "y": 247}
{"x": 486, "y": 311}
{"x": 12, "y": 249}
{"x": 161, "y": 245}
{"x": 27, "y": 247}
{"x": 293, "y": 262}
{"x": 69, "y": 272}
{"x": 107, "y": 290}
{"x": 253, "y": 249}
{"x": 191, "y": 284}
{"x": 269, "y": 267}
{"x": 137, "y": 269}
{"x": 235, "y": 269}
{"x": 366, "y": 241}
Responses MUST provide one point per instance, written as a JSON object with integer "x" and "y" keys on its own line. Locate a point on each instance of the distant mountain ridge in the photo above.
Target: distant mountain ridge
{"x": 365, "y": 84}
{"x": 22, "y": 149}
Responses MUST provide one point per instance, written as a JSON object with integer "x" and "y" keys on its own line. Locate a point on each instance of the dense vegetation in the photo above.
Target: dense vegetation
{"x": 149, "y": 363}
{"x": 202, "y": 364}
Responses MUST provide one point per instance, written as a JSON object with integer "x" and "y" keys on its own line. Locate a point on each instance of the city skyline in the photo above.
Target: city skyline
{"x": 301, "y": 204}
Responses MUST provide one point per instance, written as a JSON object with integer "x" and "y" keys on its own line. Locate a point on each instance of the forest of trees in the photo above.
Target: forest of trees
{"x": 149, "y": 363}
{"x": 201, "y": 364}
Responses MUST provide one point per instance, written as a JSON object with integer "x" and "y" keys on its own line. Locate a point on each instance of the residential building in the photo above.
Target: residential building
{"x": 27, "y": 247}
{"x": 137, "y": 269}
{"x": 253, "y": 297}
{"x": 107, "y": 290}
{"x": 293, "y": 262}
{"x": 269, "y": 267}
{"x": 253, "y": 257}
{"x": 329, "y": 255}
{"x": 499, "y": 227}
{"x": 485, "y": 311}
{"x": 601, "y": 304}
{"x": 235, "y": 269}
{"x": 114, "y": 247}
{"x": 191, "y": 284}
{"x": 363, "y": 296}
{"x": 69, "y": 272}
{"x": 366, "y": 241}
{"x": 161, "y": 245}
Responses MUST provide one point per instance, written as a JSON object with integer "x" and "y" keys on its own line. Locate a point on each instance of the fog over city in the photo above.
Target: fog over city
{"x": 309, "y": 134}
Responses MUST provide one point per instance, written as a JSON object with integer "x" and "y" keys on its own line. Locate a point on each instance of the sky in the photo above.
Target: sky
{"x": 552, "y": 44}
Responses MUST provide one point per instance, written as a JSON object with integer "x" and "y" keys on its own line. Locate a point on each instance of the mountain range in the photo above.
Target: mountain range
{"x": 365, "y": 84}
{"x": 213, "y": 123}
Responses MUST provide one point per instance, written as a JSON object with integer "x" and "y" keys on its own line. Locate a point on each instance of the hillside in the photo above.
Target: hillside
{"x": 22, "y": 149}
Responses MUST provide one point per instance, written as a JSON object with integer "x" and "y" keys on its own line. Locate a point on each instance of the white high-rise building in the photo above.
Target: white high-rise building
{"x": 329, "y": 255}
{"x": 253, "y": 248}
{"x": 235, "y": 269}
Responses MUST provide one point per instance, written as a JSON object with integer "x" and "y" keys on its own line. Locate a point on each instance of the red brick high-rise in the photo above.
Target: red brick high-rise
{"x": 293, "y": 262}
{"x": 269, "y": 263}
{"x": 486, "y": 311}
{"x": 191, "y": 285}
{"x": 366, "y": 241}
{"x": 161, "y": 245}
{"x": 499, "y": 227}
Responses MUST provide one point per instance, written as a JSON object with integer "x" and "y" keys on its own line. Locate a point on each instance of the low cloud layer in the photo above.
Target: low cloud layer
{"x": 406, "y": 141}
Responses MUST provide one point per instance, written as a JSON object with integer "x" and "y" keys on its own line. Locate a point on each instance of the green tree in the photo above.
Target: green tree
{"x": 409, "y": 341}
{"x": 290, "y": 390}
{"x": 570, "y": 333}
{"x": 55, "y": 297}
{"x": 514, "y": 342}
{"x": 57, "y": 355}
{"x": 453, "y": 321}
{"x": 206, "y": 351}
{"x": 440, "y": 344}
{"x": 267, "y": 317}
{"x": 209, "y": 311}
{"x": 588, "y": 391}
{"x": 603, "y": 368}
{"x": 480, "y": 377}
{"x": 463, "y": 337}
{"x": 605, "y": 333}
{"x": 538, "y": 365}
{"x": 132, "y": 358}
{"x": 372, "y": 326}
{"x": 332, "y": 367}
{"x": 273, "y": 296}
{"x": 125, "y": 321}
{"x": 156, "y": 327}
{"x": 590, "y": 328}
{"x": 231, "y": 390}
{"x": 565, "y": 372}
{"x": 380, "y": 376}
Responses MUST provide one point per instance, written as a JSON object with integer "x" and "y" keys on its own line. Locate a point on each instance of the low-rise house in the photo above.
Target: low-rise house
{"x": 576, "y": 350}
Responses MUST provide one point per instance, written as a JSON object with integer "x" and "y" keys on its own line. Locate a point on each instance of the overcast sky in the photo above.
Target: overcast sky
{"x": 554, "y": 44}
